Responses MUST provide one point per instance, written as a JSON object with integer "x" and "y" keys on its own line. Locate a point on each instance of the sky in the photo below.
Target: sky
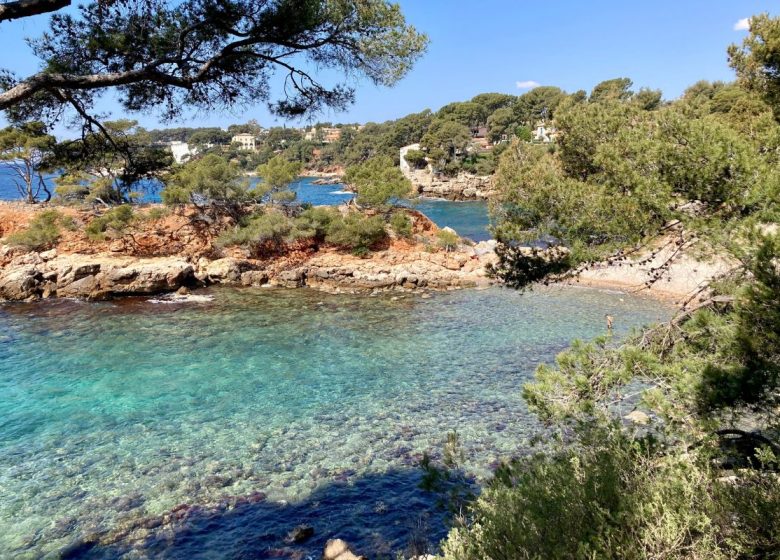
{"x": 507, "y": 46}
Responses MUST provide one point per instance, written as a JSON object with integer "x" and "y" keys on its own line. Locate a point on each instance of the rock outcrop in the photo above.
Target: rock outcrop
{"x": 462, "y": 187}
{"x": 30, "y": 276}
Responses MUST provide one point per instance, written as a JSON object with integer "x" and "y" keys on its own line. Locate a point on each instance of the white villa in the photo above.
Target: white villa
{"x": 245, "y": 140}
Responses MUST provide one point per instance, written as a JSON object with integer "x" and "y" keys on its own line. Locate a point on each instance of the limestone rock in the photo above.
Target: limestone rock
{"x": 224, "y": 270}
{"x": 337, "y": 549}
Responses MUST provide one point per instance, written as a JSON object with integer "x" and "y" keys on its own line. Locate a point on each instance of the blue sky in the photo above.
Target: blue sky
{"x": 492, "y": 45}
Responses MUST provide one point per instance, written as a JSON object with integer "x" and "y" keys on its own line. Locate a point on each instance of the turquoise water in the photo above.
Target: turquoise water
{"x": 469, "y": 219}
{"x": 263, "y": 409}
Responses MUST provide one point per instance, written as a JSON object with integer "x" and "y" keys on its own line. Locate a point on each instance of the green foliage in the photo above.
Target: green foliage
{"x": 315, "y": 222}
{"x": 465, "y": 113}
{"x": 109, "y": 164}
{"x": 747, "y": 373}
{"x": 357, "y": 232}
{"x": 446, "y": 142}
{"x": 416, "y": 158}
{"x": 757, "y": 61}
{"x": 24, "y": 150}
{"x": 43, "y": 232}
{"x": 541, "y": 103}
{"x": 264, "y": 232}
{"x": 673, "y": 483}
{"x": 616, "y": 497}
{"x": 447, "y": 239}
{"x": 378, "y": 182}
{"x": 617, "y": 89}
{"x": 401, "y": 223}
{"x": 200, "y": 56}
{"x": 207, "y": 181}
{"x": 270, "y": 231}
{"x": 276, "y": 175}
{"x": 112, "y": 224}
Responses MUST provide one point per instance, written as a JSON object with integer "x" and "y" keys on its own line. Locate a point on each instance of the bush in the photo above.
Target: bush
{"x": 447, "y": 239}
{"x": 43, "y": 231}
{"x": 112, "y": 224}
{"x": 356, "y": 232}
{"x": 416, "y": 159}
{"x": 401, "y": 223}
{"x": 266, "y": 231}
{"x": 314, "y": 222}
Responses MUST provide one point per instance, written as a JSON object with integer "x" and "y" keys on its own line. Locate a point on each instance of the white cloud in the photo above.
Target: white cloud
{"x": 527, "y": 84}
{"x": 742, "y": 25}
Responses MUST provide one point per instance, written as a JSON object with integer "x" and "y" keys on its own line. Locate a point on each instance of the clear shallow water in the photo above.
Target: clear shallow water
{"x": 469, "y": 219}
{"x": 114, "y": 413}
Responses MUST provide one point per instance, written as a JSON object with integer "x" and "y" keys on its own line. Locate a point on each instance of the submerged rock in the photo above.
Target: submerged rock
{"x": 337, "y": 549}
{"x": 300, "y": 534}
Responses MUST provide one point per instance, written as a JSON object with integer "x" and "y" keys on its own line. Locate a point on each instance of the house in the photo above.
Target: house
{"x": 181, "y": 151}
{"x": 331, "y": 135}
{"x": 545, "y": 134}
{"x": 246, "y": 141}
{"x": 324, "y": 134}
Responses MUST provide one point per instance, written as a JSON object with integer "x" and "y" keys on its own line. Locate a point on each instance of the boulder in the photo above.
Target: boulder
{"x": 337, "y": 549}
{"x": 20, "y": 282}
{"x": 224, "y": 271}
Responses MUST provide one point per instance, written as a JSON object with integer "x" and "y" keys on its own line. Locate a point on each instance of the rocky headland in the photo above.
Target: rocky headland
{"x": 175, "y": 251}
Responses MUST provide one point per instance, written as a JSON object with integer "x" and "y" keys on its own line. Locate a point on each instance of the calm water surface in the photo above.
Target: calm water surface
{"x": 113, "y": 414}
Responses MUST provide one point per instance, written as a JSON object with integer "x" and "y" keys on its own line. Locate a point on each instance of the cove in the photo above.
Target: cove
{"x": 118, "y": 412}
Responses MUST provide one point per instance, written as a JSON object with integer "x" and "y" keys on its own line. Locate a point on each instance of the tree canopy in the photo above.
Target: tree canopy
{"x": 160, "y": 55}
{"x": 377, "y": 182}
{"x": 24, "y": 148}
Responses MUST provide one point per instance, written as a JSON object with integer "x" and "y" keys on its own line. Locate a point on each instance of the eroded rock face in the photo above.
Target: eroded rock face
{"x": 91, "y": 276}
{"x": 462, "y": 187}
{"x": 34, "y": 276}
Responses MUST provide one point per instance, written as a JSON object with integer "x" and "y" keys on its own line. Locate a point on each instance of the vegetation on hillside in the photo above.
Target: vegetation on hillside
{"x": 692, "y": 471}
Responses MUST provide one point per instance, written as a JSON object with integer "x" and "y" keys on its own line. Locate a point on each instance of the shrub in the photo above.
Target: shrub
{"x": 314, "y": 222}
{"x": 112, "y": 224}
{"x": 401, "y": 223}
{"x": 356, "y": 232}
{"x": 269, "y": 230}
{"x": 447, "y": 239}
{"x": 416, "y": 158}
{"x": 43, "y": 231}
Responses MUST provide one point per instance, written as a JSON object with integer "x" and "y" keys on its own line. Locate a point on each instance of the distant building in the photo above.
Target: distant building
{"x": 331, "y": 135}
{"x": 325, "y": 134}
{"x": 545, "y": 134}
{"x": 181, "y": 151}
{"x": 479, "y": 131}
{"x": 246, "y": 141}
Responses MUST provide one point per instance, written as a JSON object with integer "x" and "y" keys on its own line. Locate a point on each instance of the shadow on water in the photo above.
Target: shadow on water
{"x": 377, "y": 514}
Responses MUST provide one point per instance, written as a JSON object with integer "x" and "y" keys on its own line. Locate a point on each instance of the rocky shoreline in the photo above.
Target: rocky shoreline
{"x": 464, "y": 186}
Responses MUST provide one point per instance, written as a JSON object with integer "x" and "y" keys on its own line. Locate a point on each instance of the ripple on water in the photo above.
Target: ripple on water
{"x": 113, "y": 414}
